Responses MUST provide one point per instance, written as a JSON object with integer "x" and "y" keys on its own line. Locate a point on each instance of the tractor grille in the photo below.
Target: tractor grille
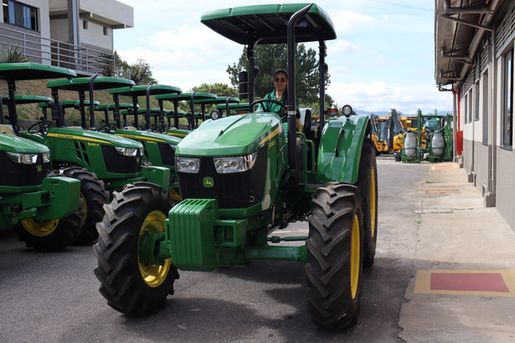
{"x": 16, "y": 174}
{"x": 117, "y": 163}
{"x": 237, "y": 190}
{"x": 167, "y": 154}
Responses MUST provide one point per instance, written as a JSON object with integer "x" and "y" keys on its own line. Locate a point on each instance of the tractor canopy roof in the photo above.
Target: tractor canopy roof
{"x": 267, "y": 24}
{"x": 218, "y": 100}
{"x": 30, "y": 99}
{"x": 69, "y": 103}
{"x": 32, "y": 71}
{"x": 188, "y": 96}
{"x": 141, "y": 90}
{"x": 82, "y": 83}
{"x": 121, "y": 106}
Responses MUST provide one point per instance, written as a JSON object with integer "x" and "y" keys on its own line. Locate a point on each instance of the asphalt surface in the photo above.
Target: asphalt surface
{"x": 53, "y": 297}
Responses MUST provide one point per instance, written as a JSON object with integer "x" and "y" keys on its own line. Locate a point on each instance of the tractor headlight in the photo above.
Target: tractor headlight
{"x": 46, "y": 157}
{"x": 238, "y": 164}
{"x": 130, "y": 152}
{"x": 23, "y": 158}
{"x": 187, "y": 165}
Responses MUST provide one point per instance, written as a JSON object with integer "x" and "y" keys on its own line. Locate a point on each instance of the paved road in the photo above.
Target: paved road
{"x": 54, "y": 297}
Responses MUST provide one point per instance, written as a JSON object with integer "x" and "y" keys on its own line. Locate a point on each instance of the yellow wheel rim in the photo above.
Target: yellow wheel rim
{"x": 355, "y": 257}
{"x": 373, "y": 203}
{"x": 83, "y": 208}
{"x": 40, "y": 229}
{"x": 153, "y": 274}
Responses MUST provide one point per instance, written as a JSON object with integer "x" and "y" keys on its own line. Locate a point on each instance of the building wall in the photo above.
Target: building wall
{"x": 506, "y": 185}
{"x": 35, "y": 39}
{"x": 59, "y": 29}
{"x": 94, "y": 35}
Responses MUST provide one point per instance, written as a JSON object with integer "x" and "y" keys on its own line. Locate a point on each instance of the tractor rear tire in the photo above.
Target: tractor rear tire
{"x": 367, "y": 185}
{"x": 130, "y": 285}
{"x": 335, "y": 256}
{"x": 93, "y": 197}
{"x": 52, "y": 235}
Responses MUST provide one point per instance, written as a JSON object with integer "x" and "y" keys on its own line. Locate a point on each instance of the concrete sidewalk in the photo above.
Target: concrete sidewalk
{"x": 463, "y": 285}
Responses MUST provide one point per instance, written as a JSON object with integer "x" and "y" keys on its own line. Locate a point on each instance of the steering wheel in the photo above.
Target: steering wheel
{"x": 109, "y": 127}
{"x": 42, "y": 127}
{"x": 270, "y": 101}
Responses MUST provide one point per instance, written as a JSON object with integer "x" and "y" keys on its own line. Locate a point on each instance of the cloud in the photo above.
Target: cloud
{"x": 348, "y": 21}
{"x": 381, "y": 96}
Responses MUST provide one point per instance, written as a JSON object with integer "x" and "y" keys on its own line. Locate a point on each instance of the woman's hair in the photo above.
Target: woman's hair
{"x": 281, "y": 71}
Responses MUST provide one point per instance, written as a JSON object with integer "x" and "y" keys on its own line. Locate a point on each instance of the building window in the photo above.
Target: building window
{"x": 466, "y": 107}
{"x": 507, "y": 101}
{"x": 485, "y": 90}
{"x": 106, "y": 31}
{"x": 16, "y": 13}
{"x": 476, "y": 102}
{"x": 470, "y": 105}
{"x": 85, "y": 24}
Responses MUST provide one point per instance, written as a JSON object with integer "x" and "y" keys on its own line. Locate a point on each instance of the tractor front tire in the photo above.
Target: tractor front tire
{"x": 367, "y": 186}
{"x": 51, "y": 235}
{"x": 93, "y": 197}
{"x": 335, "y": 256}
{"x": 130, "y": 284}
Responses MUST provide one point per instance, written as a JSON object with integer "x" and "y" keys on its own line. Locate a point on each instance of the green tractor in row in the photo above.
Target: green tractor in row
{"x": 43, "y": 206}
{"x": 245, "y": 178}
{"x": 102, "y": 162}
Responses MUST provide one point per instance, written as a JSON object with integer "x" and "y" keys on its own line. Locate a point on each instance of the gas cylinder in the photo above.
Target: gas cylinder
{"x": 410, "y": 144}
{"x": 437, "y": 144}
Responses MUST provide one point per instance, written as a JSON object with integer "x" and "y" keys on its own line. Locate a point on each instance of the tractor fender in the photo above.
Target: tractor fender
{"x": 340, "y": 149}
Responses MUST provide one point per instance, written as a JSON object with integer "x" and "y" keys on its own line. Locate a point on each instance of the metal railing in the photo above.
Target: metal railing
{"x": 84, "y": 60}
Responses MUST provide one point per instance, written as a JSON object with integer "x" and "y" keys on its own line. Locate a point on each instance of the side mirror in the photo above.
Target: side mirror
{"x": 347, "y": 110}
{"x": 215, "y": 114}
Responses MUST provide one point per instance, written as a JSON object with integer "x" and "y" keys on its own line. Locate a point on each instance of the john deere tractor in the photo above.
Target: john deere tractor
{"x": 101, "y": 161}
{"x": 43, "y": 207}
{"x": 243, "y": 179}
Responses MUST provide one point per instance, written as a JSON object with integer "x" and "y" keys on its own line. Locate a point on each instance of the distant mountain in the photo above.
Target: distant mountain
{"x": 382, "y": 113}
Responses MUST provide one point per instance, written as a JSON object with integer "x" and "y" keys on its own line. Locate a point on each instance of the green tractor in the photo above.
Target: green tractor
{"x": 42, "y": 206}
{"x": 244, "y": 179}
{"x": 233, "y": 108}
{"x": 215, "y": 113}
{"x": 102, "y": 162}
{"x": 192, "y": 117}
{"x": 159, "y": 148}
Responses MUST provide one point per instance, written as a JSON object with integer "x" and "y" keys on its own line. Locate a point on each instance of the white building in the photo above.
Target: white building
{"x": 474, "y": 48}
{"x": 68, "y": 33}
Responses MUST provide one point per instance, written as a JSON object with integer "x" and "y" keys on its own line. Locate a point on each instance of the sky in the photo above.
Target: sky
{"x": 383, "y": 56}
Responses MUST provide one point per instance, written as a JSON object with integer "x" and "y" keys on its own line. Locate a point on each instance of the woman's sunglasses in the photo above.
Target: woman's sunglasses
{"x": 280, "y": 79}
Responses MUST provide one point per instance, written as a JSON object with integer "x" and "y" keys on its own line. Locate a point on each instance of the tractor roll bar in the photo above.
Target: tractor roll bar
{"x": 91, "y": 102}
{"x": 292, "y": 113}
{"x": 322, "y": 69}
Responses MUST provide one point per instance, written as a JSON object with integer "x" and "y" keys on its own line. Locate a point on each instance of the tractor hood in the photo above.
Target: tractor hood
{"x": 92, "y": 137}
{"x": 20, "y": 145}
{"x": 148, "y": 136}
{"x": 231, "y": 136}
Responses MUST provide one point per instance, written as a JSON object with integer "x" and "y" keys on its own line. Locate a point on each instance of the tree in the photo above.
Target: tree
{"x": 12, "y": 55}
{"x": 218, "y": 88}
{"x": 271, "y": 57}
{"x": 139, "y": 72}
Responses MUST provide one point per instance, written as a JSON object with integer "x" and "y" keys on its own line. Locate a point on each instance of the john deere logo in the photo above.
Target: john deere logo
{"x": 208, "y": 182}
{"x": 39, "y": 168}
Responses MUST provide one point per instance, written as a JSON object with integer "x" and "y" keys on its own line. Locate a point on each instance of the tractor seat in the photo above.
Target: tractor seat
{"x": 7, "y": 129}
